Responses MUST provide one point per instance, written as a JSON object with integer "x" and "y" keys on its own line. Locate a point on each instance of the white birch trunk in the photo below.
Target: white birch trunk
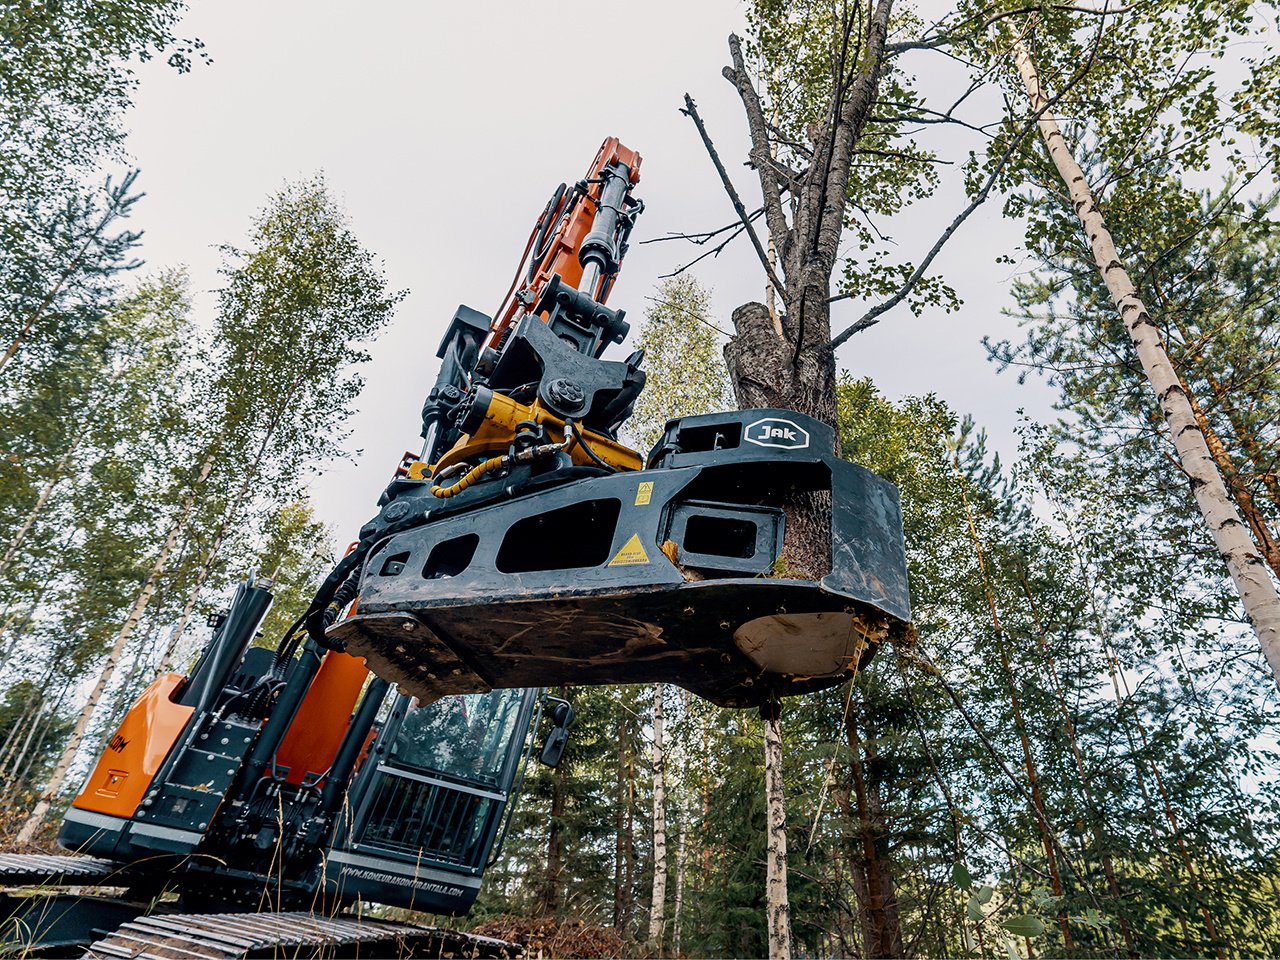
{"x": 63, "y": 766}
{"x": 658, "y": 902}
{"x": 776, "y": 902}
{"x": 15, "y": 771}
{"x": 677, "y": 907}
{"x": 1230, "y": 535}
{"x": 166, "y": 662}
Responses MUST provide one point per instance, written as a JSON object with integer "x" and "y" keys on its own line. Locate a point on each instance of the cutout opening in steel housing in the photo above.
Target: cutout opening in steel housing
{"x": 575, "y": 536}
{"x": 448, "y": 558}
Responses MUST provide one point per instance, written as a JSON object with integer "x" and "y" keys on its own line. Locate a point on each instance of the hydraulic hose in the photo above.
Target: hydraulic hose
{"x": 471, "y": 476}
{"x": 573, "y": 428}
{"x": 338, "y": 590}
{"x": 495, "y": 463}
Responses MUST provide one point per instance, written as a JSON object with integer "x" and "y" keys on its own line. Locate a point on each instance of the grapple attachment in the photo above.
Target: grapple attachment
{"x": 675, "y": 573}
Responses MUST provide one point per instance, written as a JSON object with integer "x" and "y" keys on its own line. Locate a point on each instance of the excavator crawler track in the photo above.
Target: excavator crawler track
{"x": 231, "y": 936}
{"x": 222, "y": 936}
{"x": 24, "y": 869}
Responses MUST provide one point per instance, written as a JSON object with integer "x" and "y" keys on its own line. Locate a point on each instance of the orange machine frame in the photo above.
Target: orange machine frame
{"x": 322, "y": 719}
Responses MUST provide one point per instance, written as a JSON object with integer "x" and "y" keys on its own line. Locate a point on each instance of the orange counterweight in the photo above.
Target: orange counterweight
{"x": 133, "y": 755}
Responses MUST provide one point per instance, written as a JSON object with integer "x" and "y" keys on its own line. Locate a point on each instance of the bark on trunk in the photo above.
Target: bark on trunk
{"x": 658, "y": 900}
{"x": 677, "y": 906}
{"x": 777, "y": 905}
{"x": 1230, "y": 535}
{"x": 789, "y": 362}
{"x": 872, "y": 873}
{"x": 63, "y": 766}
{"x": 1263, "y": 536}
{"x": 549, "y": 896}
{"x": 619, "y": 822}
{"x": 1263, "y": 459}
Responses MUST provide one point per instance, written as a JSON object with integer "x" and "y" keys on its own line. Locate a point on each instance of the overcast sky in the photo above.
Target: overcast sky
{"x": 444, "y": 127}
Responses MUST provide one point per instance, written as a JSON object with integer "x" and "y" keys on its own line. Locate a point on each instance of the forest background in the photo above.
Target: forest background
{"x": 1082, "y": 760}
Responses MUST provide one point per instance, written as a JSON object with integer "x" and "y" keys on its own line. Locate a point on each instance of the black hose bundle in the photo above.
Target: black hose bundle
{"x": 339, "y": 589}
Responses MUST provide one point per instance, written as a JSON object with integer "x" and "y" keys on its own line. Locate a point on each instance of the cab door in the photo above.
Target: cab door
{"x": 426, "y": 808}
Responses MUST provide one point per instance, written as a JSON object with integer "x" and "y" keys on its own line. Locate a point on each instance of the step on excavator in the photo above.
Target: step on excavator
{"x": 375, "y": 753}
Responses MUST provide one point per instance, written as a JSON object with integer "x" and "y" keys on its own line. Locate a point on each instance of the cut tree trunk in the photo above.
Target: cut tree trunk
{"x": 1248, "y": 570}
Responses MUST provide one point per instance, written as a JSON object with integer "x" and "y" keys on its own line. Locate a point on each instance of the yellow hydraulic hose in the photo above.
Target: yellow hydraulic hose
{"x": 472, "y": 475}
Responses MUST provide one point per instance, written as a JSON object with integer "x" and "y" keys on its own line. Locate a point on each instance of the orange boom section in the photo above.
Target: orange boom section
{"x": 136, "y": 751}
{"x": 573, "y": 215}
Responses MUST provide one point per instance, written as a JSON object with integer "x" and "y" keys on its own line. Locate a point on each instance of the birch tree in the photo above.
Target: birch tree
{"x": 1229, "y": 533}
{"x": 293, "y": 317}
{"x": 67, "y": 78}
{"x": 658, "y": 894}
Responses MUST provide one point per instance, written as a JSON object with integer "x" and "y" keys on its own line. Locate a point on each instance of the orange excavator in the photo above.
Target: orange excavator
{"x": 375, "y": 753}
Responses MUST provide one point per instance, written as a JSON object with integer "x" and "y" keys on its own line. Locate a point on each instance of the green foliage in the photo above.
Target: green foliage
{"x": 68, "y": 69}
{"x": 297, "y": 552}
{"x": 67, "y": 76}
{"x": 686, "y": 372}
{"x": 793, "y": 49}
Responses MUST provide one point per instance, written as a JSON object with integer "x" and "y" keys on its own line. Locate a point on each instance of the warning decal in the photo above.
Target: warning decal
{"x": 644, "y": 493}
{"x": 631, "y": 554}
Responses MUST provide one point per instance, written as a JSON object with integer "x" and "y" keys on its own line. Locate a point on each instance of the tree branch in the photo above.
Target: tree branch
{"x": 698, "y": 239}
{"x": 713, "y": 252}
{"x": 760, "y": 155}
{"x": 850, "y": 116}
{"x": 950, "y": 36}
{"x": 691, "y": 110}
{"x": 872, "y": 316}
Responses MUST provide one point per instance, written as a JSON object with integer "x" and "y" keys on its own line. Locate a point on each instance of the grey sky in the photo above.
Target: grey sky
{"x": 445, "y": 126}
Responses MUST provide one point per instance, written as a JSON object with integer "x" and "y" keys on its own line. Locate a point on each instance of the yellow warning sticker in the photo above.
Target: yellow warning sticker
{"x": 644, "y": 493}
{"x": 631, "y": 554}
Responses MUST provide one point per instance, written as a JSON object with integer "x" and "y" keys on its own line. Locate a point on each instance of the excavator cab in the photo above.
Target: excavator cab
{"x": 295, "y": 776}
{"x": 428, "y": 815}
